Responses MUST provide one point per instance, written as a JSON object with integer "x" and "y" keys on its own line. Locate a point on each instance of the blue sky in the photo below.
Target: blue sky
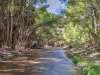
{"x": 54, "y": 5}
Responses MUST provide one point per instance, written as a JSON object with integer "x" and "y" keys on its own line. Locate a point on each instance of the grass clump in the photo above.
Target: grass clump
{"x": 94, "y": 70}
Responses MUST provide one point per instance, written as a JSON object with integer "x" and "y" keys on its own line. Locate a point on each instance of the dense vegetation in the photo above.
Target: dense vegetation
{"x": 82, "y": 22}
{"x": 24, "y": 23}
{"x": 83, "y": 31}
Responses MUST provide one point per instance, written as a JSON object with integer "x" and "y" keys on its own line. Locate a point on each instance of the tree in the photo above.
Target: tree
{"x": 14, "y": 19}
{"x": 47, "y": 21}
{"x": 85, "y": 16}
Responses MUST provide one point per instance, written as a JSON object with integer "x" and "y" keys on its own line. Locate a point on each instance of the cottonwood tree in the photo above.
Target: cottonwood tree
{"x": 16, "y": 18}
{"x": 84, "y": 16}
{"x": 20, "y": 23}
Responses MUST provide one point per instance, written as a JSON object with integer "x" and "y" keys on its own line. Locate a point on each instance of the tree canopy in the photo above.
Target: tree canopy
{"x": 82, "y": 21}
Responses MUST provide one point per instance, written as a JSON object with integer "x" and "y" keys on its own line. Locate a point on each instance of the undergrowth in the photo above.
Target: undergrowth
{"x": 90, "y": 67}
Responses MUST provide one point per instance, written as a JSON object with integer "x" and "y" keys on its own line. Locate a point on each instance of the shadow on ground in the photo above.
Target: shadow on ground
{"x": 50, "y": 61}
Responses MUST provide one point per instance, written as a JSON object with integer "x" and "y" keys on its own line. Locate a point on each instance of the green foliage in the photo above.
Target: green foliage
{"x": 43, "y": 15}
{"x": 82, "y": 27}
{"x": 86, "y": 69}
{"x": 48, "y": 29}
{"x": 88, "y": 66}
{"x": 76, "y": 59}
{"x": 79, "y": 24}
{"x": 94, "y": 70}
{"x": 73, "y": 35}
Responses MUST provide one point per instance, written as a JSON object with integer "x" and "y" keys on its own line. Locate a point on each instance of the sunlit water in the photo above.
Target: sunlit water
{"x": 50, "y": 61}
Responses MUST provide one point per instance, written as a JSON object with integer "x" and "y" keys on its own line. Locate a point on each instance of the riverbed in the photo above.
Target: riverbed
{"x": 46, "y": 61}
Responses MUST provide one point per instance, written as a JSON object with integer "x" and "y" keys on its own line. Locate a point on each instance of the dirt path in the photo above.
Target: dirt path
{"x": 50, "y": 61}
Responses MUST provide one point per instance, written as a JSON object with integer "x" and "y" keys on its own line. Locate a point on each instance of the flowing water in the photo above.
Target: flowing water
{"x": 51, "y": 61}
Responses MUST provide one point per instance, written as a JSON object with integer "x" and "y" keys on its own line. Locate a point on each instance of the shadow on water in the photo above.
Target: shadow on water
{"x": 40, "y": 62}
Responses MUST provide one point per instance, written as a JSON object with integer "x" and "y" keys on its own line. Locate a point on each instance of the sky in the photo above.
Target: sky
{"x": 54, "y": 5}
